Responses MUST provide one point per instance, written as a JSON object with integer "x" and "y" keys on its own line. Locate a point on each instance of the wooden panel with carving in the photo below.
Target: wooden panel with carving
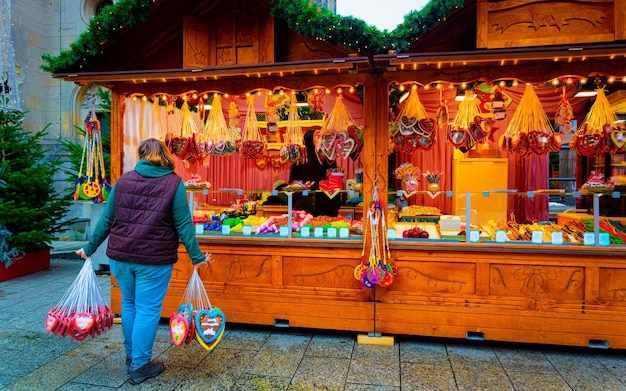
{"x": 321, "y": 273}
{"x": 514, "y": 23}
{"x": 434, "y": 278}
{"x": 613, "y": 286}
{"x": 537, "y": 281}
{"x": 236, "y": 40}
{"x": 195, "y": 43}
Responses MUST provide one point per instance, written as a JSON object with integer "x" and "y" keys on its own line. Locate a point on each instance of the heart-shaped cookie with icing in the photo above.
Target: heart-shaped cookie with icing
{"x": 209, "y": 324}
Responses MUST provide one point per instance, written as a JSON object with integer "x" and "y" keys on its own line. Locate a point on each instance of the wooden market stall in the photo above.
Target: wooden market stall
{"x": 521, "y": 292}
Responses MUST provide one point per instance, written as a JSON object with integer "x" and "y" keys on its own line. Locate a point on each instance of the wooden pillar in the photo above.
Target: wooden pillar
{"x": 117, "y": 136}
{"x": 375, "y": 139}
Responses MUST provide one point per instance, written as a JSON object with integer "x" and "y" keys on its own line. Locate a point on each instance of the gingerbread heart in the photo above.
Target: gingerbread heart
{"x": 590, "y": 144}
{"x": 210, "y": 324}
{"x": 469, "y": 144}
{"x": 618, "y": 136}
{"x": 408, "y": 122}
{"x": 83, "y": 321}
{"x": 179, "y": 328}
{"x": 327, "y": 145}
{"x": 413, "y": 142}
{"x": 220, "y": 148}
{"x": 458, "y": 137}
{"x": 344, "y": 144}
{"x": 557, "y": 141}
{"x": 427, "y": 142}
{"x": 210, "y": 346}
{"x": 51, "y": 322}
{"x": 407, "y": 125}
{"x": 477, "y": 133}
{"x": 191, "y": 334}
{"x": 180, "y": 147}
{"x": 426, "y": 125}
{"x": 540, "y": 142}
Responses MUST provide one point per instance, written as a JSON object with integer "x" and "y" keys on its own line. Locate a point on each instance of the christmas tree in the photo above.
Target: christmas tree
{"x": 31, "y": 210}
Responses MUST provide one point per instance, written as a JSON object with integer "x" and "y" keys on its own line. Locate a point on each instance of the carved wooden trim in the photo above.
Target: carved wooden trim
{"x": 195, "y": 43}
{"x": 514, "y": 23}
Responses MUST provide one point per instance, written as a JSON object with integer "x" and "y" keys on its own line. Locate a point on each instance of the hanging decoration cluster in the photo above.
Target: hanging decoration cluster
{"x": 469, "y": 127}
{"x": 378, "y": 269}
{"x": 413, "y": 130}
{"x": 339, "y": 136}
{"x": 599, "y": 133}
{"x": 93, "y": 185}
{"x": 529, "y": 132}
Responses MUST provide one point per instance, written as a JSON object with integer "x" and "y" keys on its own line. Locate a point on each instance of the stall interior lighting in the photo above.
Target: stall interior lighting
{"x": 586, "y": 94}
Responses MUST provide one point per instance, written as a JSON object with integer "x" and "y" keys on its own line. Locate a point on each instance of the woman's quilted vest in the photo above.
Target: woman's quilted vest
{"x": 143, "y": 228}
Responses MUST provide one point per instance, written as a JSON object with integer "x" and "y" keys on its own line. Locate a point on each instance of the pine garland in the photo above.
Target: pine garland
{"x": 304, "y": 17}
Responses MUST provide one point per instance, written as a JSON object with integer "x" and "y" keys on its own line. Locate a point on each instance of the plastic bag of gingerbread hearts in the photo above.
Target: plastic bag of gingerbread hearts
{"x": 196, "y": 318}
{"x": 81, "y": 312}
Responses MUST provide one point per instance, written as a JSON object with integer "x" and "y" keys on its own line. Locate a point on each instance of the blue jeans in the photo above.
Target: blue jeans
{"x": 143, "y": 289}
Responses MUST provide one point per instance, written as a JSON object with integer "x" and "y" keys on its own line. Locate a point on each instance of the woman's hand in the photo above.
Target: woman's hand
{"x": 207, "y": 258}
{"x": 81, "y": 253}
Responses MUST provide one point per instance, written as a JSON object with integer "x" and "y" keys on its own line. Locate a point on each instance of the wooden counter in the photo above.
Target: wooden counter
{"x": 566, "y": 295}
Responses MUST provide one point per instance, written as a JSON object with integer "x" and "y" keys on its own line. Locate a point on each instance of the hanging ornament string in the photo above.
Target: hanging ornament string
{"x": 253, "y": 146}
{"x": 79, "y": 179}
{"x": 337, "y": 137}
{"x": 599, "y": 133}
{"x": 91, "y": 188}
{"x": 379, "y": 268}
{"x": 529, "y": 132}
{"x": 293, "y": 149}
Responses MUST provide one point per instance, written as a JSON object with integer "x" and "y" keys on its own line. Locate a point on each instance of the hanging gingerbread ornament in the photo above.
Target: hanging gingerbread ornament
{"x": 599, "y": 133}
{"x": 413, "y": 128}
{"x": 529, "y": 132}
{"x": 336, "y": 137}
{"x": 469, "y": 127}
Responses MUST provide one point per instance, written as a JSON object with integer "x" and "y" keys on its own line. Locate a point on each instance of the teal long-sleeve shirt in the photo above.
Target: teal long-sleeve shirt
{"x": 180, "y": 214}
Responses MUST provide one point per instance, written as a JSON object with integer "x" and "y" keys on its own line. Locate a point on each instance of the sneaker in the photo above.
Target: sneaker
{"x": 149, "y": 370}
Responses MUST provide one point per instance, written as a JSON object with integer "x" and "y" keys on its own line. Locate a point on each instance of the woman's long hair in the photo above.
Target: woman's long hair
{"x": 155, "y": 152}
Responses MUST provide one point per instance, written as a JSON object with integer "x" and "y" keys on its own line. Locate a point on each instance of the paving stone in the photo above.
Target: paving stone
{"x": 331, "y": 345}
{"x": 524, "y": 360}
{"x": 427, "y": 377}
{"x": 320, "y": 373}
{"x": 529, "y": 381}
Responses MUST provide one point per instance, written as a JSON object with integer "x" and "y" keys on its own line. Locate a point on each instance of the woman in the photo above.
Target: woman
{"x": 146, "y": 215}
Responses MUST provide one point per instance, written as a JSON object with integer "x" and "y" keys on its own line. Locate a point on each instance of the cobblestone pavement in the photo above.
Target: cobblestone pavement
{"x": 262, "y": 358}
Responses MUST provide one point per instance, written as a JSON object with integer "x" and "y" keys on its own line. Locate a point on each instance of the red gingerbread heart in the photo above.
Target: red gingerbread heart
{"x": 458, "y": 137}
{"x": 179, "y": 329}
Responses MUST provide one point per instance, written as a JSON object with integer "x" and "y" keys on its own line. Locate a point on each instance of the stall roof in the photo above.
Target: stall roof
{"x": 151, "y": 51}
{"x": 344, "y": 65}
